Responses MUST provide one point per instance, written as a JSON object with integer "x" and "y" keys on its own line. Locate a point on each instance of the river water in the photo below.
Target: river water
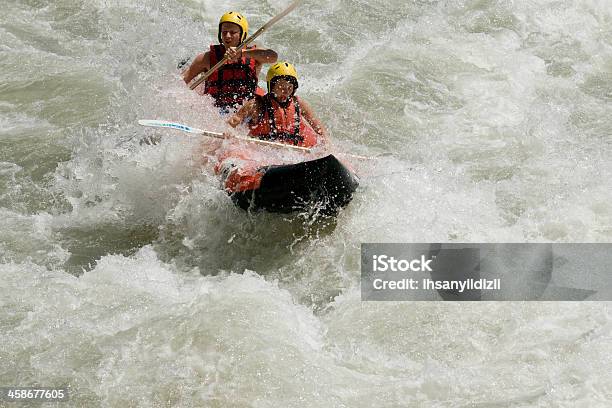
{"x": 128, "y": 275}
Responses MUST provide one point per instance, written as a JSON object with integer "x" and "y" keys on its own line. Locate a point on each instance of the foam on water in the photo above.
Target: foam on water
{"x": 138, "y": 331}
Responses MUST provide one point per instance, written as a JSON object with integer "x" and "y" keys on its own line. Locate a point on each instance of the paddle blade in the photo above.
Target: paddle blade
{"x": 169, "y": 125}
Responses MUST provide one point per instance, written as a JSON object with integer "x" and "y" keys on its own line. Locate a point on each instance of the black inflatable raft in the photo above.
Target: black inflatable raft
{"x": 324, "y": 184}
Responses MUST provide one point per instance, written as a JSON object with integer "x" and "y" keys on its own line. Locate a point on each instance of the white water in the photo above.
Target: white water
{"x": 127, "y": 274}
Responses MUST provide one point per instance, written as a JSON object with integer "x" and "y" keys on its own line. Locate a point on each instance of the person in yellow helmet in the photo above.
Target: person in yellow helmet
{"x": 280, "y": 115}
{"x": 236, "y": 81}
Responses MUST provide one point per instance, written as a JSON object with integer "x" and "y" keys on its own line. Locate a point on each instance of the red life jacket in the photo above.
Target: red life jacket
{"x": 231, "y": 84}
{"x": 283, "y": 125}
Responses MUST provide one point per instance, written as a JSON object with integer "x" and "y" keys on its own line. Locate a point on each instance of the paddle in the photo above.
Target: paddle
{"x": 246, "y": 42}
{"x": 189, "y": 129}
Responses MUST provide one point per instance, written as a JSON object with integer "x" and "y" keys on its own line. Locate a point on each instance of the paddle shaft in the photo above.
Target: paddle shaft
{"x": 246, "y": 42}
{"x": 217, "y": 135}
{"x": 256, "y": 141}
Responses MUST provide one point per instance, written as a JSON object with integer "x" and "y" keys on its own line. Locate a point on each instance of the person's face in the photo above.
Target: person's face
{"x": 230, "y": 34}
{"x": 282, "y": 89}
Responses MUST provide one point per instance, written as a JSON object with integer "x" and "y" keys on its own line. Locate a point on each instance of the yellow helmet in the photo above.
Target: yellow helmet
{"x": 280, "y": 70}
{"x": 239, "y": 20}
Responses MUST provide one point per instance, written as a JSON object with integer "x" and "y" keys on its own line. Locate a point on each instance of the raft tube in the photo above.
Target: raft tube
{"x": 324, "y": 184}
